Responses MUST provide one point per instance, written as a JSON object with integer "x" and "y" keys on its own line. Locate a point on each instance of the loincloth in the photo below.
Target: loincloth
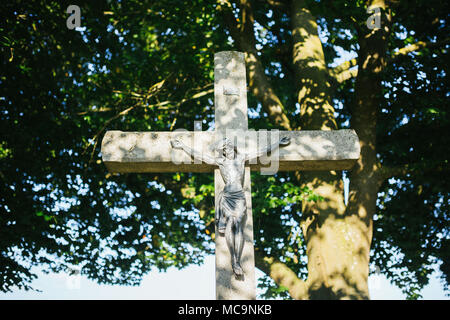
{"x": 230, "y": 204}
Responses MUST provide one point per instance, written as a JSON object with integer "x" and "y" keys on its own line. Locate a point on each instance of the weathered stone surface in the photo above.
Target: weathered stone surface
{"x": 151, "y": 151}
{"x": 231, "y": 113}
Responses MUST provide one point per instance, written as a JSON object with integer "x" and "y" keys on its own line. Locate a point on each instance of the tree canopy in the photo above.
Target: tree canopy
{"x": 148, "y": 65}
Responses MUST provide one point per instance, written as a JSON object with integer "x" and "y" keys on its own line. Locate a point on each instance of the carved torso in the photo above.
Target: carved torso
{"x": 232, "y": 171}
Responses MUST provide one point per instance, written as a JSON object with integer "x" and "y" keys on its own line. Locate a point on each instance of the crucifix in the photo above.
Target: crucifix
{"x": 187, "y": 151}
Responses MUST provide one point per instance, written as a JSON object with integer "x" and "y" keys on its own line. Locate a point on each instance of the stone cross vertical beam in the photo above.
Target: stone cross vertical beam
{"x": 230, "y": 102}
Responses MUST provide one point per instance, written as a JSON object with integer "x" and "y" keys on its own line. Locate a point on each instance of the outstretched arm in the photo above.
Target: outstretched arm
{"x": 265, "y": 150}
{"x": 177, "y": 144}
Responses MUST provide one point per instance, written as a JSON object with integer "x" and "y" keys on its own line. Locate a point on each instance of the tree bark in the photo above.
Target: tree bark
{"x": 336, "y": 241}
{"x": 368, "y": 92}
{"x": 337, "y": 237}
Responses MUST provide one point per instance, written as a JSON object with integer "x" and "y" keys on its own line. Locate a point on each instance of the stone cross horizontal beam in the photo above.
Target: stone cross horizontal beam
{"x": 124, "y": 152}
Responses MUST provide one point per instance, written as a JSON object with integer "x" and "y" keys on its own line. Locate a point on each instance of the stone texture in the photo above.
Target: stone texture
{"x": 124, "y": 152}
{"x": 230, "y": 102}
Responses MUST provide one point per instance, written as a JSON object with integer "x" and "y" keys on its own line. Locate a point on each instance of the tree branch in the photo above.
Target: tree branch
{"x": 344, "y": 66}
{"x": 160, "y": 105}
{"x": 345, "y": 75}
{"x": 276, "y": 4}
{"x": 417, "y": 46}
{"x": 103, "y": 109}
{"x": 260, "y": 87}
{"x": 226, "y": 8}
{"x": 152, "y": 90}
{"x": 282, "y": 275}
{"x": 344, "y": 71}
{"x": 386, "y": 172}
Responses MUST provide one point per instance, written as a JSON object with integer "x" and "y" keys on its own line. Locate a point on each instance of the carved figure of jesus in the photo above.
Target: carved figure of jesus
{"x": 231, "y": 208}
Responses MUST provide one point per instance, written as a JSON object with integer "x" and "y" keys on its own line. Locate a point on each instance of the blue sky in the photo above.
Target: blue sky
{"x": 194, "y": 282}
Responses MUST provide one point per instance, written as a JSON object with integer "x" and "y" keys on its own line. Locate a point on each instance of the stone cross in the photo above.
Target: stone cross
{"x": 126, "y": 152}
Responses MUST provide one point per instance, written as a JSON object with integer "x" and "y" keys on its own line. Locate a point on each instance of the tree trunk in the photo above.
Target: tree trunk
{"x": 337, "y": 242}
{"x": 337, "y": 237}
{"x": 364, "y": 177}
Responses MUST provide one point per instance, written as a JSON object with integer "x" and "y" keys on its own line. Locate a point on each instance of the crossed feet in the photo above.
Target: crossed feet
{"x": 237, "y": 269}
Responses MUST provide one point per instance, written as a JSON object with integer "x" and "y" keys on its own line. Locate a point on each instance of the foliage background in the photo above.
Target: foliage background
{"x": 143, "y": 65}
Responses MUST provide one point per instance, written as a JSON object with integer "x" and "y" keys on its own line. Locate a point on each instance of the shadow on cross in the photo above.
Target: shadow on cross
{"x": 126, "y": 152}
